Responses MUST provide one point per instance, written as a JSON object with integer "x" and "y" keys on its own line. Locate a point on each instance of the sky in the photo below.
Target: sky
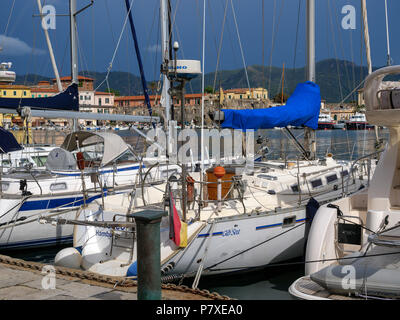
{"x": 100, "y": 29}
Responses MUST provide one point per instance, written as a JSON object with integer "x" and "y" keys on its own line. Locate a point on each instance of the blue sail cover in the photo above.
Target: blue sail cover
{"x": 65, "y": 100}
{"x": 8, "y": 143}
{"x": 302, "y": 108}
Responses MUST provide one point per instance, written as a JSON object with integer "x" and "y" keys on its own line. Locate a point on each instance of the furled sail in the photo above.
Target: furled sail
{"x": 65, "y": 100}
{"x": 302, "y": 108}
{"x": 8, "y": 143}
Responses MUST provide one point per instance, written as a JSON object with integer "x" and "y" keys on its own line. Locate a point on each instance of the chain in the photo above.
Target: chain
{"x": 120, "y": 282}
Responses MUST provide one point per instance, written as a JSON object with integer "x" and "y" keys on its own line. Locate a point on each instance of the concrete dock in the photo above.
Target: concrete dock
{"x": 25, "y": 280}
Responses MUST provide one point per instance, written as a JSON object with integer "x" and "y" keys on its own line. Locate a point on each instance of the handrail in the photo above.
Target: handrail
{"x": 368, "y": 156}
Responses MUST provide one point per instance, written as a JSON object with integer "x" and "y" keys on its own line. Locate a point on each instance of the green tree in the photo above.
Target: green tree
{"x": 208, "y": 89}
{"x": 115, "y": 92}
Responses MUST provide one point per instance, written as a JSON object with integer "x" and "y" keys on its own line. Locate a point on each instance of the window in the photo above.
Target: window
{"x": 289, "y": 221}
{"x": 331, "y": 178}
{"x": 295, "y": 188}
{"x": 316, "y": 183}
{"x": 81, "y": 97}
{"x": 5, "y": 93}
{"x": 345, "y": 173}
{"x": 107, "y": 100}
{"x": 99, "y": 101}
{"x": 40, "y": 160}
{"x": 24, "y": 93}
{"x": 15, "y": 93}
{"x": 23, "y": 161}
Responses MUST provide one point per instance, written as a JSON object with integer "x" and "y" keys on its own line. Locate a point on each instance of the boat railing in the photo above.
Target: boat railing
{"x": 362, "y": 162}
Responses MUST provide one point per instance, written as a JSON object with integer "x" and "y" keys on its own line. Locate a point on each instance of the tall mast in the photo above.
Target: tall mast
{"x": 310, "y": 40}
{"x": 366, "y": 34}
{"x": 309, "y": 134}
{"x": 389, "y": 62}
{"x": 73, "y": 39}
{"x": 165, "y": 49}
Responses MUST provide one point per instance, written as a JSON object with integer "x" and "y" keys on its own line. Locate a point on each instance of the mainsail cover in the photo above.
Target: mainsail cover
{"x": 8, "y": 143}
{"x": 302, "y": 108}
{"x": 65, "y": 100}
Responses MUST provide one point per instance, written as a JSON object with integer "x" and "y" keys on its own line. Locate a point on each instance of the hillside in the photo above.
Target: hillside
{"x": 332, "y": 90}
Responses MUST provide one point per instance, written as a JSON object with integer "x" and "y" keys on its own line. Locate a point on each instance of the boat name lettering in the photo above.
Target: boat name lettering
{"x": 231, "y": 232}
{"x": 103, "y": 233}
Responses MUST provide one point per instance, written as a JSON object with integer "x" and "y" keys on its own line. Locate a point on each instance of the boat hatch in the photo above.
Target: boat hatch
{"x": 316, "y": 183}
{"x": 331, "y": 178}
{"x": 58, "y": 186}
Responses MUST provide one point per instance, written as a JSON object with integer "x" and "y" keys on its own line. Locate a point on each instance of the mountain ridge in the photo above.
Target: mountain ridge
{"x": 334, "y": 88}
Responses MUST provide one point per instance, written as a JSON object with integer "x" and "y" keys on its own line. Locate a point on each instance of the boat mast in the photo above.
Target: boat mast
{"x": 309, "y": 134}
{"x": 389, "y": 60}
{"x": 74, "y": 50}
{"x": 366, "y": 35}
{"x": 166, "y": 57}
{"x": 73, "y": 40}
{"x": 368, "y": 52}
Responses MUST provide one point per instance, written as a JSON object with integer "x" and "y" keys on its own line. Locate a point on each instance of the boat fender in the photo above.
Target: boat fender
{"x": 312, "y": 207}
{"x": 68, "y": 258}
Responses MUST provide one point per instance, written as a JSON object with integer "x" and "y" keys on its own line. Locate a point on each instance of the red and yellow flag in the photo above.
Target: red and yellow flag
{"x": 178, "y": 228}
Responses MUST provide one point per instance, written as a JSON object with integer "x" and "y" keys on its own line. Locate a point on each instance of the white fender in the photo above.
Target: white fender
{"x": 68, "y": 258}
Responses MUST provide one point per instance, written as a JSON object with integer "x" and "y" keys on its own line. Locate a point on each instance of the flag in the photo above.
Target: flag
{"x": 177, "y": 228}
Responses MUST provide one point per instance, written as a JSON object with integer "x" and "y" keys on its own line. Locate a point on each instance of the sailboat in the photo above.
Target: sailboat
{"x": 87, "y": 166}
{"x": 231, "y": 219}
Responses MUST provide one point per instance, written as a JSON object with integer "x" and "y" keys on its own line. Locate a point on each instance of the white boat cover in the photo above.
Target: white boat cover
{"x": 60, "y": 159}
{"x": 114, "y": 145}
{"x": 378, "y": 275}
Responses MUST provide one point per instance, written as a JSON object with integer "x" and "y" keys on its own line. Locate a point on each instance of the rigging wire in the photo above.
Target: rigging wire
{"x": 8, "y": 22}
{"x": 335, "y": 50}
{"x": 240, "y": 45}
{"x": 297, "y": 37}
{"x": 274, "y": 33}
{"x": 220, "y": 44}
{"x": 116, "y": 48}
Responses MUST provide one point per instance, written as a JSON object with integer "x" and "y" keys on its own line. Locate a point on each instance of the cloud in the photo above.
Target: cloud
{"x": 16, "y": 47}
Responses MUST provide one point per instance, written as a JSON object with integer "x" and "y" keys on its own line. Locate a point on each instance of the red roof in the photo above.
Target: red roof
{"x": 51, "y": 90}
{"x": 68, "y": 78}
{"x": 103, "y": 93}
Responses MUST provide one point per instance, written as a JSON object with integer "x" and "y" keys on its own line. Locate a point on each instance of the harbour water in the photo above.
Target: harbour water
{"x": 270, "y": 283}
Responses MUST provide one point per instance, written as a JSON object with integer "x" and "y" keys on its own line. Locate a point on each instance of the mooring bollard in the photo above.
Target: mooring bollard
{"x": 148, "y": 253}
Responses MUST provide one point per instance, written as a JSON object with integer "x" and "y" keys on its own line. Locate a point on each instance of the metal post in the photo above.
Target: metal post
{"x": 148, "y": 253}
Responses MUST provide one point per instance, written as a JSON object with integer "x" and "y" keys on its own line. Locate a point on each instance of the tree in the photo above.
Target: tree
{"x": 115, "y": 92}
{"x": 208, "y": 89}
